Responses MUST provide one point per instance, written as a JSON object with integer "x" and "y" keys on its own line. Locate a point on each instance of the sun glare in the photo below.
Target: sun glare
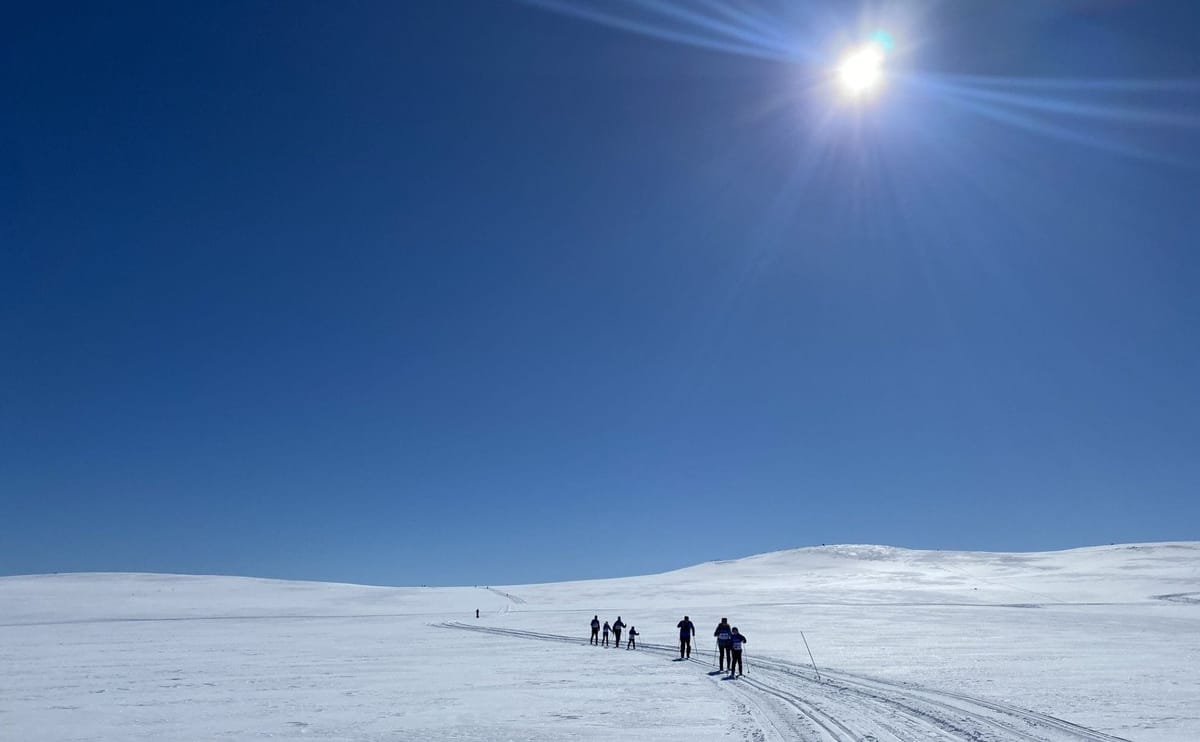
{"x": 861, "y": 70}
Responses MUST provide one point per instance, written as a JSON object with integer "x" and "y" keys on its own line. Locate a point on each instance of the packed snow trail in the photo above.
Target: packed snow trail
{"x": 515, "y": 600}
{"x": 1189, "y": 598}
{"x": 848, "y": 707}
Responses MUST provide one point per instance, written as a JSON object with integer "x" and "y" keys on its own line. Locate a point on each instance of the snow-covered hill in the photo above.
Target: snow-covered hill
{"x": 1092, "y": 644}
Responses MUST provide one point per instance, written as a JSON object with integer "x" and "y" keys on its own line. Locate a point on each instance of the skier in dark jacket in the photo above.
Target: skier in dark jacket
{"x": 606, "y": 630}
{"x": 736, "y": 640}
{"x": 687, "y": 630}
{"x": 723, "y": 634}
{"x": 617, "y": 627}
{"x": 595, "y": 630}
{"x": 632, "y": 643}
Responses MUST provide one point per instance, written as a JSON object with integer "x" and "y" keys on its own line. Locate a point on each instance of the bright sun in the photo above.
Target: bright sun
{"x": 861, "y": 70}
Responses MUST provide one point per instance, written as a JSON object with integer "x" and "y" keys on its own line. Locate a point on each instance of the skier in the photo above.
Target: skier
{"x": 606, "y": 630}
{"x": 632, "y": 643}
{"x": 476, "y": 613}
{"x": 736, "y": 640}
{"x": 617, "y": 627}
{"x": 723, "y": 635}
{"x": 595, "y": 631}
{"x": 687, "y": 630}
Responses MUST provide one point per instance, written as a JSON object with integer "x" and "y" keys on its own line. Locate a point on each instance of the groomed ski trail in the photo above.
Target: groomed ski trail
{"x": 515, "y": 600}
{"x": 849, "y": 707}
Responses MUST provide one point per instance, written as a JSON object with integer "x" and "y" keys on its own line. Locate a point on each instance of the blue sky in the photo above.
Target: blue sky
{"x": 486, "y": 292}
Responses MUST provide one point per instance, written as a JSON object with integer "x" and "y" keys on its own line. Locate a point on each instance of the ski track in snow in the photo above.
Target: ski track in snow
{"x": 848, "y": 707}
{"x": 507, "y": 596}
{"x": 1192, "y": 598}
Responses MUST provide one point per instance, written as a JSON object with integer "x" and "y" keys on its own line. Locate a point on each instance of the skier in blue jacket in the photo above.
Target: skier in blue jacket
{"x": 736, "y": 640}
{"x": 723, "y": 634}
{"x": 633, "y": 633}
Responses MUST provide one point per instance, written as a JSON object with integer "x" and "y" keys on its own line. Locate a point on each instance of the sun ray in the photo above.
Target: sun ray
{"x": 740, "y": 15}
{"x": 1081, "y": 83}
{"x": 1058, "y": 105}
{"x": 1037, "y": 125}
{"x": 677, "y": 35}
{"x": 670, "y": 10}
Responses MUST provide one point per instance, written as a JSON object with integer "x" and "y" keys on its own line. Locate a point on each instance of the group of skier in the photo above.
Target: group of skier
{"x": 729, "y": 644}
{"x": 729, "y": 640}
{"x": 615, "y": 628}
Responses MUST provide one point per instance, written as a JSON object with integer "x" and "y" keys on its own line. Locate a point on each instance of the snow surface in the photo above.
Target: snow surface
{"x": 1089, "y": 644}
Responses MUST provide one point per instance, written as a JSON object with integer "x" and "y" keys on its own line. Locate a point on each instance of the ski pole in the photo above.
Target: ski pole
{"x": 810, "y": 657}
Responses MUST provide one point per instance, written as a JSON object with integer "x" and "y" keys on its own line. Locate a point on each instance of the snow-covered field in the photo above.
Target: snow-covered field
{"x": 1089, "y": 644}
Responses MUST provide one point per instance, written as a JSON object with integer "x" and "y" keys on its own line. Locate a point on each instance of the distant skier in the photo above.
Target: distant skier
{"x": 736, "y": 640}
{"x": 595, "y": 631}
{"x": 606, "y": 630}
{"x": 632, "y": 643}
{"x": 723, "y": 634}
{"x": 476, "y": 613}
{"x": 687, "y": 630}
{"x": 617, "y": 627}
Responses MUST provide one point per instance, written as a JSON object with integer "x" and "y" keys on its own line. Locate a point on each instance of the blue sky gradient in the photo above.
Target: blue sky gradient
{"x": 488, "y": 292}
